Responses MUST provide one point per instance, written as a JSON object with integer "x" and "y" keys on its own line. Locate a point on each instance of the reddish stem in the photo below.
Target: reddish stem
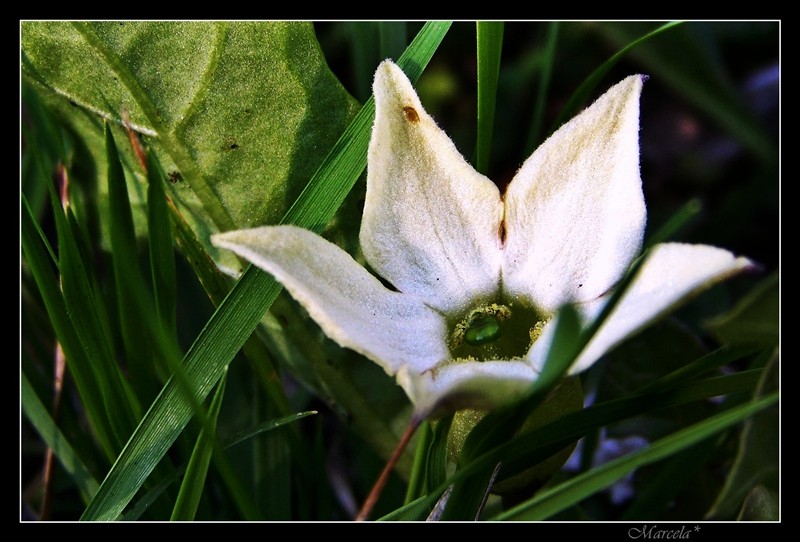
{"x": 377, "y": 489}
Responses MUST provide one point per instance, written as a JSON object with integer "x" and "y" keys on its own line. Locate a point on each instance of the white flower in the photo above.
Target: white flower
{"x": 478, "y": 274}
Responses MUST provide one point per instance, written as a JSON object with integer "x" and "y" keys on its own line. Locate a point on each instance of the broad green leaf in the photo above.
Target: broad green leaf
{"x": 234, "y": 108}
{"x": 754, "y": 320}
{"x": 245, "y": 305}
{"x": 757, "y": 461}
{"x": 573, "y": 491}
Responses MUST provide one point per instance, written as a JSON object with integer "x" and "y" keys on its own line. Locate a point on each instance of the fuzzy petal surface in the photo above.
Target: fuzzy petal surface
{"x": 431, "y": 222}
{"x": 467, "y": 384}
{"x": 575, "y": 212}
{"x": 672, "y": 273}
{"x": 350, "y": 305}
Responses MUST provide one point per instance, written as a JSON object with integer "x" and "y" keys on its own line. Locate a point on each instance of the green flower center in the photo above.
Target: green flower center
{"x": 495, "y": 332}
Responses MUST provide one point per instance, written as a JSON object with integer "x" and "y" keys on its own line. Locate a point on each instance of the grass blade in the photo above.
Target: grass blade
{"x": 364, "y": 56}
{"x": 696, "y": 74}
{"x": 197, "y": 470}
{"x": 153, "y": 493}
{"x": 34, "y": 247}
{"x": 251, "y": 432}
{"x": 216, "y": 287}
{"x": 575, "y": 490}
{"x": 655, "y": 497}
{"x": 712, "y": 360}
{"x": 580, "y": 95}
{"x": 534, "y": 138}
{"x": 687, "y": 212}
{"x": 245, "y": 305}
{"x": 128, "y": 277}
{"x": 273, "y": 464}
{"x": 437, "y": 454}
{"x": 490, "y": 45}
{"x": 416, "y": 482}
{"x": 393, "y": 38}
{"x": 88, "y": 313}
{"x": 526, "y": 450}
{"x": 39, "y": 416}
{"x": 162, "y": 258}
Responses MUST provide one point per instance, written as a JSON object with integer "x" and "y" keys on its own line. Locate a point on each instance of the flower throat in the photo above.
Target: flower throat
{"x": 495, "y": 332}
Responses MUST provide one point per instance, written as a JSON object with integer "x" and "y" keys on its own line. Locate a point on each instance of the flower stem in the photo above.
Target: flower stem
{"x": 377, "y": 489}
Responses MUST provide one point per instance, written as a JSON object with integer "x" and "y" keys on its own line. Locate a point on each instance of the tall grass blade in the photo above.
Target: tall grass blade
{"x": 197, "y": 470}
{"x": 39, "y": 416}
{"x": 490, "y": 46}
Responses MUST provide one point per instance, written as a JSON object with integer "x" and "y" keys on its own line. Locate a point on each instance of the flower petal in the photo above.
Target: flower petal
{"x": 352, "y": 307}
{"x": 671, "y": 273}
{"x": 431, "y": 222}
{"x": 575, "y": 211}
{"x": 472, "y": 384}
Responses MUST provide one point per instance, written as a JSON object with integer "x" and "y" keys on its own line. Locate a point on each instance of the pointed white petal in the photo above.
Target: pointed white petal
{"x": 671, "y": 274}
{"x": 575, "y": 212}
{"x": 476, "y": 384}
{"x": 431, "y": 222}
{"x": 352, "y": 307}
